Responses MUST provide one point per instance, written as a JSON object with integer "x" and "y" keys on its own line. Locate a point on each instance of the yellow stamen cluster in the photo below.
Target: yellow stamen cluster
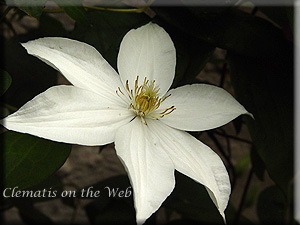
{"x": 144, "y": 100}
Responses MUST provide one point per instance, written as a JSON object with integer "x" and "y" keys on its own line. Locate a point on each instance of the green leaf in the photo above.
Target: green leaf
{"x": 31, "y": 7}
{"x": 29, "y": 160}
{"x": 271, "y": 206}
{"x": 242, "y": 165}
{"x": 74, "y": 9}
{"x": 6, "y": 81}
{"x": 53, "y": 186}
{"x": 267, "y": 92}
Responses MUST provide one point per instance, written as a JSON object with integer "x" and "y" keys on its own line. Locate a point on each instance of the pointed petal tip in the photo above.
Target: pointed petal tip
{"x": 140, "y": 220}
{"x": 251, "y": 115}
{"x": 223, "y": 216}
{"x": 25, "y": 45}
{"x": 4, "y": 123}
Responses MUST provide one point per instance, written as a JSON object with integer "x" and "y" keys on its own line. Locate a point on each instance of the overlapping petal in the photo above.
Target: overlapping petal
{"x": 147, "y": 52}
{"x": 70, "y": 114}
{"x": 196, "y": 160}
{"x": 201, "y": 107}
{"x": 79, "y": 62}
{"x": 150, "y": 169}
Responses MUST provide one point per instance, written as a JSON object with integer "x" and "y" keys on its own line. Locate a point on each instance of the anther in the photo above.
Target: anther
{"x": 144, "y": 99}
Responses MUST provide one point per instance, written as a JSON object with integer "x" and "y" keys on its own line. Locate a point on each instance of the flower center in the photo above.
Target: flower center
{"x": 144, "y": 100}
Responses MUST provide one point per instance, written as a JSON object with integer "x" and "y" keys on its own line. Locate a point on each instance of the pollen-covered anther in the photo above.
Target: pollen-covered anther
{"x": 167, "y": 111}
{"x": 145, "y": 100}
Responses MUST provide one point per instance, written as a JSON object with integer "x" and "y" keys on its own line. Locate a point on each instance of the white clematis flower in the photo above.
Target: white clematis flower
{"x": 135, "y": 110}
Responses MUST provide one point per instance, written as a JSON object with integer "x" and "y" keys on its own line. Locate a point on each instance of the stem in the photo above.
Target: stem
{"x": 9, "y": 107}
{"x": 223, "y": 73}
{"x": 5, "y": 13}
{"x": 233, "y": 137}
{"x": 74, "y": 212}
{"x": 138, "y": 10}
{"x": 6, "y": 21}
{"x": 240, "y": 209}
{"x": 227, "y": 142}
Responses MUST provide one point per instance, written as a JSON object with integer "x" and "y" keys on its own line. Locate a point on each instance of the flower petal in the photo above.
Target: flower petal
{"x": 79, "y": 62}
{"x": 196, "y": 160}
{"x": 147, "y": 52}
{"x": 69, "y": 114}
{"x": 201, "y": 107}
{"x": 150, "y": 169}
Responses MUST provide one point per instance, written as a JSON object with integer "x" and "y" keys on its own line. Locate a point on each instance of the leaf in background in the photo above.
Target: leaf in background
{"x": 231, "y": 213}
{"x": 29, "y": 213}
{"x": 107, "y": 30}
{"x": 279, "y": 15}
{"x": 271, "y": 206}
{"x": 31, "y": 7}
{"x": 29, "y": 160}
{"x": 238, "y": 123}
{"x": 267, "y": 92}
{"x": 191, "y": 200}
{"x": 109, "y": 210}
{"x": 242, "y": 166}
{"x": 114, "y": 212}
{"x": 51, "y": 27}
{"x": 192, "y": 54}
{"x": 257, "y": 164}
{"x": 251, "y": 196}
{"x": 232, "y": 30}
{"x": 282, "y": 16}
{"x": 6, "y": 81}
{"x": 31, "y": 76}
{"x": 74, "y": 9}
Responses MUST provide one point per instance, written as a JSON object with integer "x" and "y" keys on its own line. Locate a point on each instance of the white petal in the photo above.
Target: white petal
{"x": 79, "y": 62}
{"x": 201, "y": 107}
{"x": 147, "y": 52}
{"x": 150, "y": 169}
{"x": 196, "y": 160}
{"x": 69, "y": 114}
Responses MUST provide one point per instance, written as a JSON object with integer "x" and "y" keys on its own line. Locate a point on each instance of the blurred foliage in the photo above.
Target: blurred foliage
{"x": 30, "y": 160}
{"x": 263, "y": 91}
{"x": 6, "y": 81}
{"x": 259, "y": 55}
{"x": 271, "y": 206}
{"x": 33, "y": 8}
